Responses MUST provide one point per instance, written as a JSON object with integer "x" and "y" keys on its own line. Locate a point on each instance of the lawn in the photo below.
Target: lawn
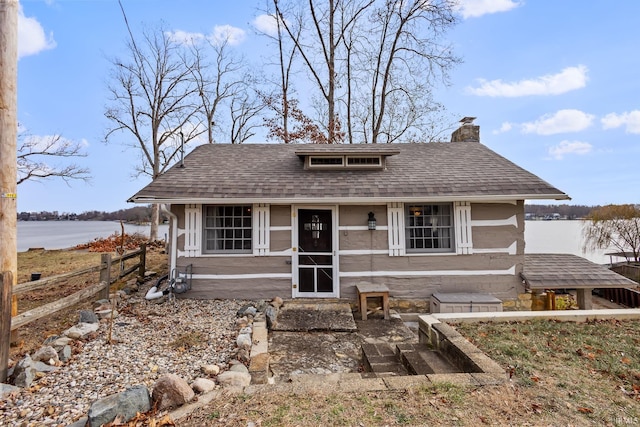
{"x": 562, "y": 374}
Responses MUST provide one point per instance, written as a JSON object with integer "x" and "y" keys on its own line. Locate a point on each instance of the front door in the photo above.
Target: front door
{"x": 315, "y": 254}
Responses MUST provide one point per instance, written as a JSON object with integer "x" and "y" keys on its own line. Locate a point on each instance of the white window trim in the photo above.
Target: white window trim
{"x": 461, "y": 227}
{"x": 462, "y": 224}
{"x": 261, "y": 227}
{"x": 192, "y": 231}
{"x": 395, "y": 216}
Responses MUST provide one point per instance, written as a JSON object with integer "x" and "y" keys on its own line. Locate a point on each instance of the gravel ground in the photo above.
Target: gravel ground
{"x": 149, "y": 340}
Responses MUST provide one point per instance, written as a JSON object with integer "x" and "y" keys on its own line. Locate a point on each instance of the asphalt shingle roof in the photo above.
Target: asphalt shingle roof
{"x": 566, "y": 271}
{"x": 446, "y": 171}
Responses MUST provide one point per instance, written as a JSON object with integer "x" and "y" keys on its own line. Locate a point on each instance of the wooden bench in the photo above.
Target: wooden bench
{"x": 369, "y": 291}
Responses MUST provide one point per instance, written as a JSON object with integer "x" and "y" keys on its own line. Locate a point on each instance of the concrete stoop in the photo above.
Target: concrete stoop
{"x": 421, "y": 359}
{"x": 382, "y": 360}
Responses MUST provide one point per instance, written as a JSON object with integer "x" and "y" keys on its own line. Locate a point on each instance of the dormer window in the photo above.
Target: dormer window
{"x": 324, "y": 161}
{"x": 345, "y": 157}
{"x": 364, "y": 161}
{"x": 348, "y": 162}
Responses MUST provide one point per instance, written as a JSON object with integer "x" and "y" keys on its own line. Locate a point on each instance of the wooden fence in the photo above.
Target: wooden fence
{"x": 623, "y": 296}
{"x": 102, "y": 287}
{"x": 629, "y": 270}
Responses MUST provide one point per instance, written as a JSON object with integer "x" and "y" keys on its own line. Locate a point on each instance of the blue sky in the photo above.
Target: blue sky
{"x": 555, "y": 87}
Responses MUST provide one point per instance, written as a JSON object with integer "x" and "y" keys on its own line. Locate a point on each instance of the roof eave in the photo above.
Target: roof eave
{"x": 350, "y": 200}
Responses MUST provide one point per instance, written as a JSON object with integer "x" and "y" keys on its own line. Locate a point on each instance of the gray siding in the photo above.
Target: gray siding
{"x": 371, "y": 256}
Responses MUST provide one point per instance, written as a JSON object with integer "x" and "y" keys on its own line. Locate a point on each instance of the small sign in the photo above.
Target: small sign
{"x": 9, "y": 195}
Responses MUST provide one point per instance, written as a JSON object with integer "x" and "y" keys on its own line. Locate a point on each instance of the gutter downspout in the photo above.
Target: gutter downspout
{"x": 174, "y": 236}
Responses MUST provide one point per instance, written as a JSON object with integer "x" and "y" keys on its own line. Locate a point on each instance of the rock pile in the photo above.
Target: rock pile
{"x": 121, "y": 360}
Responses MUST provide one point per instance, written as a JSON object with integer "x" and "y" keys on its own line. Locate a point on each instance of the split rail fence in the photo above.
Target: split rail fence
{"x": 101, "y": 288}
{"x": 8, "y": 323}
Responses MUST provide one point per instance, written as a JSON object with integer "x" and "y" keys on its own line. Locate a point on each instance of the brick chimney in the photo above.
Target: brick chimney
{"x": 467, "y": 132}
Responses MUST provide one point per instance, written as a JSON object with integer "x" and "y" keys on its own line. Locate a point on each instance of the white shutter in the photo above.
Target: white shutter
{"x": 261, "y": 222}
{"x": 395, "y": 219}
{"x": 462, "y": 222}
{"x": 193, "y": 230}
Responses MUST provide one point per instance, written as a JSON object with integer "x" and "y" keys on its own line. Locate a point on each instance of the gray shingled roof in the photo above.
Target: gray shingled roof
{"x": 275, "y": 172}
{"x": 566, "y": 271}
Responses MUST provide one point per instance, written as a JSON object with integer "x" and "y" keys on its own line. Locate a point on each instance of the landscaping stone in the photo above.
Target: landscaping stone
{"x": 211, "y": 370}
{"x": 46, "y": 354}
{"x": 88, "y": 316}
{"x": 203, "y": 385}
{"x": 271, "y": 314}
{"x": 65, "y": 353}
{"x": 234, "y": 379}
{"x": 81, "y": 330}
{"x": 7, "y": 388}
{"x": 125, "y": 404}
{"x": 171, "y": 391}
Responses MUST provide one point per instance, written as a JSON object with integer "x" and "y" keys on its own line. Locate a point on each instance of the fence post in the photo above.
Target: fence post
{"x": 143, "y": 261}
{"x": 6, "y": 283}
{"x": 105, "y": 274}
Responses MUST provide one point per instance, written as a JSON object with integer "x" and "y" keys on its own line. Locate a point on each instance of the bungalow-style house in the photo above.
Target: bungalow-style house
{"x": 257, "y": 221}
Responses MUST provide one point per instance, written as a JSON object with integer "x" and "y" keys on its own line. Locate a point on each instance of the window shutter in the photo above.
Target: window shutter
{"x": 395, "y": 218}
{"x": 261, "y": 223}
{"x": 193, "y": 230}
{"x": 462, "y": 221}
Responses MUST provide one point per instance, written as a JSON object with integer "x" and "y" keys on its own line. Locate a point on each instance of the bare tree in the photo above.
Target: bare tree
{"x": 218, "y": 81}
{"x": 373, "y": 62}
{"x": 408, "y": 58}
{"x": 279, "y": 100}
{"x": 153, "y": 105}
{"x": 616, "y": 226}
{"x": 319, "y": 49}
{"x": 244, "y": 111}
{"x": 46, "y": 157}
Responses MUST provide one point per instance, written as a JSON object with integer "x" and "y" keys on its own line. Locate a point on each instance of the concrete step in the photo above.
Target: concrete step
{"x": 420, "y": 359}
{"x": 381, "y": 360}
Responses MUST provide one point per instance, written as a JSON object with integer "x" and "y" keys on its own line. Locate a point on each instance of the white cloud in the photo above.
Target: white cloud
{"x": 185, "y": 37}
{"x": 631, "y": 121}
{"x": 226, "y": 33}
{"x": 506, "y": 127}
{"x": 561, "y": 122}
{"x": 570, "y": 147}
{"x": 477, "y": 8}
{"x": 31, "y": 36}
{"x": 571, "y": 78}
{"x": 220, "y": 34}
{"x": 266, "y": 24}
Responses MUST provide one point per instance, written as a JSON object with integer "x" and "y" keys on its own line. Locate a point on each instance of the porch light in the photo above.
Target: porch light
{"x": 372, "y": 221}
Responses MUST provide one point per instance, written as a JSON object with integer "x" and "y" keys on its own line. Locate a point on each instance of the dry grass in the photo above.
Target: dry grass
{"x": 54, "y": 262}
{"x": 564, "y": 374}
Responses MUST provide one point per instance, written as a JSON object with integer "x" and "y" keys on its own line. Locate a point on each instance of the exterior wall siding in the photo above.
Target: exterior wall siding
{"x": 252, "y": 289}
{"x": 498, "y": 249}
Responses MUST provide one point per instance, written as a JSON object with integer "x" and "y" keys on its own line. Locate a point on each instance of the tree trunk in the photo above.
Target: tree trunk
{"x": 155, "y": 220}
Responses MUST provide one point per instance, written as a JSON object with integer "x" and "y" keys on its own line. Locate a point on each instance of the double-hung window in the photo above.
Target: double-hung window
{"x": 429, "y": 227}
{"x": 227, "y": 229}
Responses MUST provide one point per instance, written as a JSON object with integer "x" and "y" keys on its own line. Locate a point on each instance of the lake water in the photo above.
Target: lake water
{"x": 560, "y": 237}
{"x": 540, "y": 236}
{"x": 66, "y": 234}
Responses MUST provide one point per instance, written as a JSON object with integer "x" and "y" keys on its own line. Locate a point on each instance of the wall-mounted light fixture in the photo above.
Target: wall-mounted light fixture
{"x": 372, "y": 221}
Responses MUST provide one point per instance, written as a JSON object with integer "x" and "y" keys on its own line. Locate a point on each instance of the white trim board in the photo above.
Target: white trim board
{"x": 241, "y": 276}
{"x": 509, "y": 272}
{"x": 512, "y": 220}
